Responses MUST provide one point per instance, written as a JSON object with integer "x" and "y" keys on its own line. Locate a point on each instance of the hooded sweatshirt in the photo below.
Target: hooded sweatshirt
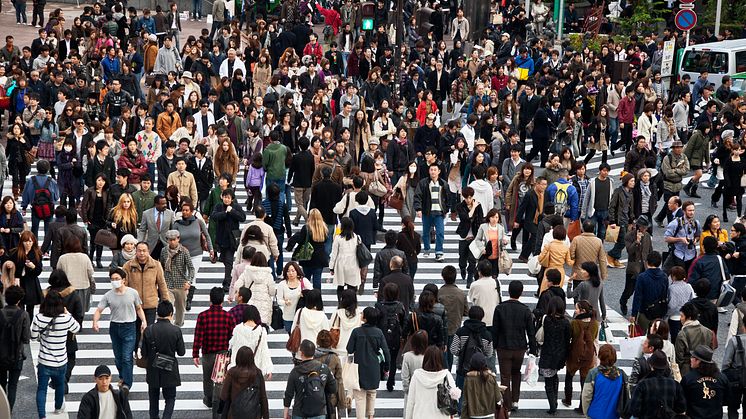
{"x": 483, "y": 194}
{"x": 311, "y": 322}
{"x": 423, "y": 394}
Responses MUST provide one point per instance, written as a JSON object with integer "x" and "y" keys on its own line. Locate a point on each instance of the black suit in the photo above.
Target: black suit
{"x": 62, "y": 48}
{"x": 525, "y": 217}
{"x": 445, "y": 85}
{"x": 409, "y": 90}
{"x": 36, "y": 45}
{"x": 203, "y": 178}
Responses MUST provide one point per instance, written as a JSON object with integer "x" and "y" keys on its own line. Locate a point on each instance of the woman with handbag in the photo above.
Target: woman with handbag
{"x": 555, "y": 255}
{"x": 289, "y": 292}
{"x": 67, "y": 181}
{"x": 196, "y": 238}
{"x": 257, "y": 277}
{"x": 251, "y": 334}
{"x": 93, "y": 211}
{"x": 343, "y": 263}
{"x": 522, "y": 183}
{"x": 405, "y": 188}
{"x": 491, "y": 235}
{"x": 367, "y": 346}
{"x": 11, "y": 223}
{"x": 582, "y": 355}
{"x": 319, "y": 259}
{"x": 123, "y": 220}
{"x": 409, "y": 242}
{"x": 27, "y": 259}
{"x": 555, "y": 334}
{"x": 244, "y": 374}
{"x": 16, "y": 149}
{"x": 431, "y": 388}
{"x": 347, "y": 317}
{"x": 365, "y": 226}
{"x": 425, "y": 318}
{"x": 309, "y": 320}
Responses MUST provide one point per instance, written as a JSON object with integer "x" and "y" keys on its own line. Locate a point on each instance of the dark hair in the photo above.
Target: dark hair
{"x": 553, "y": 275}
{"x": 515, "y": 289}
{"x": 476, "y": 313}
{"x": 702, "y": 287}
{"x": 559, "y": 232}
{"x": 53, "y": 305}
{"x": 418, "y": 342}
{"x": 710, "y": 244}
{"x": 654, "y": 259}
{"x": 294, "y": 265}
{"x": 347, "y": 227}
{"x": 259, "y": 260}
{"x": 391, "y": 292}
{"x": 484, "y": 268}
{"x": 592, "y": 270}
{"x": 245, "y": 361}
{"x": 14, "y": 295}
{"x": 314, "y": 300}
{"x": 370, "y": 314}
{"x": 426, "y": 301}
{"x": 433, "y": 359}
{"x": 589, "y": 226}
{"x": 251, "y": 313}
{"x": 58, "y": 279}
{"x": 655, "y": 342}
{"x": 248, "y": 252}
{"x": 217, "y": 294}
{"x": 245, "y": 294}
{"x": 607, "y": 355}
{"x": 690, "y": 310}
{"x": 448, "y": 273}
{"x": 348, "y": 301}
{"x": 165, "y": 308}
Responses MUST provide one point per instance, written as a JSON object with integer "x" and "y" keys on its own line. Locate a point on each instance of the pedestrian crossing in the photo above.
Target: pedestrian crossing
{"x": 95, "y": 348}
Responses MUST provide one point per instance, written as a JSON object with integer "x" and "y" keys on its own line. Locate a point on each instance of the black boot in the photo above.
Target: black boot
{"x": 688, "y": 188}
{"x": 190, "y": 295}
{"x": 694, "y": 194}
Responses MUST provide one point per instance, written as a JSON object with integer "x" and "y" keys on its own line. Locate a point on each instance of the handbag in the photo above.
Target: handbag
{"x": 221, "y": 367}
{"x": 540, "y": 332}
{"x": 376, "y": 187}
{"x": 304, "y": 252}
{"x": 203, "y": 242}
{"x": 30, "y": 155}
{"x": 573, "y": 230}
{"x": 277, "y": 321}
{"x": 294, "y": 341}
{"x": 533, "y": 265}
{"x": 504, "y": 262}
{"x": 727, "y": 292}
{"x": 106, "y": 238}
{"x": 446, "y": 404}
{"x": 334, "y": 333}
{"x": 364, "y": 258}
{"x": 164, "y": 362}
{"x": 350, "y": 375}
{"x": 396, "y": 201}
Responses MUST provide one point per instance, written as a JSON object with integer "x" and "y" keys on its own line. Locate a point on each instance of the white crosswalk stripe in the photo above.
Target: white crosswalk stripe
{"x": 95, "y": 348}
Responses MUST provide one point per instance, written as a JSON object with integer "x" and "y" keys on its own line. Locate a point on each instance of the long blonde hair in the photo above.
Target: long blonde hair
{"x": 317, "y": 226}
{"x": 7, "y": 274}
{"x": 126, "y": 217}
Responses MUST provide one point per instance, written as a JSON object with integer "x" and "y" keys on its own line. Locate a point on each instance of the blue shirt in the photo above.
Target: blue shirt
{"x": 689, "y": 229}
{"x": 29, "y": 190}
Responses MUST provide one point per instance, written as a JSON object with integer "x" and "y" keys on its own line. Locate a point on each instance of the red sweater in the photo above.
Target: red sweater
{"x": 626, "y": 110}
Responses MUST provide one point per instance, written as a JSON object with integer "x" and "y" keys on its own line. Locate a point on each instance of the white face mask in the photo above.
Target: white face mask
{"x": 379, "y": 161}
{"x": 412, "y": 169}
{"x": 68, "y": 149}
{"x": 116, "y": 285}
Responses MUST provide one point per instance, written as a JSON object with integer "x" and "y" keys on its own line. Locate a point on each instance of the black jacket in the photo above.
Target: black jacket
{"x": 108, "y": 168}
{"x": 472, "y": 327}
{"x": 557, "y": 335}
{"x": 399, "y": 156}
{"x": 430, "y": 322}
{"x": 406, "y": 287}
{"x": 423, "y": 200}
{"x": 89, "y": 407}
{"x": 541, "y": 305}
{"x": 528, "y": 108}
{"x": 365, "y": 343}
{"x": 226, "y": 222}
{"x": 467, "y": 223}
{"x": 324, "y": 195}
{"x": 165, "y": 338}
{"x": 301, "y": 169}
{"x": 445, "y": 85}
{"x": 526, "y": 211}
{"x": 319, "y": 259}
{"x": 203, "y": 178}
{"x": 381, "y": 263}
{"x": 366, "y": 224}
{"x": 512, "y": 322}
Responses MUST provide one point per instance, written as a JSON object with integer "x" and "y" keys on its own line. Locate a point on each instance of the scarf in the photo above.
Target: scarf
{"x": 171, "y": 254}
{"x": 645, "y": 188}
{"x": 611, "y": 372}
{"x": 128, "y": 255}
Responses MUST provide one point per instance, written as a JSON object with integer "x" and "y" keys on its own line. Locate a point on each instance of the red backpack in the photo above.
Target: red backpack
{"x": 42, "y": 205}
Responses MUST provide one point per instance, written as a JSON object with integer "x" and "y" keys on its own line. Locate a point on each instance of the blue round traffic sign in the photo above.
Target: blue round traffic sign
{"x": 685, "y": 19}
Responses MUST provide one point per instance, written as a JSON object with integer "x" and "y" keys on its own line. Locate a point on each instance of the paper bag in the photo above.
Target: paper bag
{"x": 612, "y": 234}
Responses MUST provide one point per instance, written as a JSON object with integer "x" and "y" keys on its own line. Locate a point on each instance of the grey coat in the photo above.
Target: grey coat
{"x": 147, "y": 230}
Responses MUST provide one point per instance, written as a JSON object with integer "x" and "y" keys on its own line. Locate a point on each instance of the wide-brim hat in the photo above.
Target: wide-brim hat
{"x": 677, "y": 144}
{"x": 187, "y": 75}
{"x": 480, "y": 142}
{"x": 703, "y": 354}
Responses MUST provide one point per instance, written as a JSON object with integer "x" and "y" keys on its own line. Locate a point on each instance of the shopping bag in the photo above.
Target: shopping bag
{"x": 350, "y": 376}
{"x": 504, "y": 262}
{"x": 476, "y": 248}
{"x": 631, "y": 348}
{"x": 534, "y": 267}
{"x": 531, "y": 373}
{"x": 612, "y": 234}
{"x": 221, "y": 367}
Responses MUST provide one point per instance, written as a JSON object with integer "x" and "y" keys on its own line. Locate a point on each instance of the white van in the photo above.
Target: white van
{"x": 717, "y": 58}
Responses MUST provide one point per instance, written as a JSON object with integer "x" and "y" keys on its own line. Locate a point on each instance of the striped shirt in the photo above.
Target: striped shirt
{"x": 53, "y": 351}
{"x": 435, "y": 208}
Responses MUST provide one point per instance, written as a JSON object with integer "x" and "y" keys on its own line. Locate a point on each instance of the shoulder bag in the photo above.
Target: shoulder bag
{"x": 727, "y": 292}
{"x": 364, "y": 258}
{"x": 540, "y": 331}
{"x": 377, "y": 187}
{"x": 335, "y": 331}
{"x": 447, "y": 405}
{"x": 304, "y": 252}
{"x": 106, "y": 238}
{"x": 294, "y": 341}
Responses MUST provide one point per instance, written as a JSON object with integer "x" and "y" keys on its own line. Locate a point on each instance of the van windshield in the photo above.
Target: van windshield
{"x": 710, "y": 61}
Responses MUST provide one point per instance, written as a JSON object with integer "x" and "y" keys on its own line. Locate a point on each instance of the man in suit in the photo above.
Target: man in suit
{"x": 201, "y": 167}
{"x": 204, "y": 118}
{"x": 528, "y": 105}
{"x": 439, "y": 82}
{"x": 529, "y": 215}
{"x": 67, "y": 46}
{"x": 39, "y": 42}
{"x": 155, "y": 223}
{"x": 343, "y": 119}
{"x": 410, "y": 88}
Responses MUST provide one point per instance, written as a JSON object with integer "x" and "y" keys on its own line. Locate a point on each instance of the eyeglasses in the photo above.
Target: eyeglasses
{"x": 80, "y": 123}
{"x": 68, "y": 110}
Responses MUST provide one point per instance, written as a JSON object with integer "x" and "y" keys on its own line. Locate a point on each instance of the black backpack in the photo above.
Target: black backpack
{"x": 473, "y": 345}
{"x": 391, "y": 325}
{"x": 42, "y": 204}
{"x": 11, "y": 348}
{"x": 248, "y": 403}
{"x": 314, "y": 397}
{"x": 736, "y": 373}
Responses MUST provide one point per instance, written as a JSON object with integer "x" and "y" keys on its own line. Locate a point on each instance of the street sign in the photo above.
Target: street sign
{"x": 667, "y": 62}
{"x": 685, "y": 19}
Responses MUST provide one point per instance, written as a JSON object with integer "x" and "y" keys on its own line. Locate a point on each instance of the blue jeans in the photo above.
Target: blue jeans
{"x": 600, "y": 217}
{"x": 277, "y": 265}
{"x": 281, "y": 184}
{"x": 57, "y": 375}
{"x": 123, "y": 343}
{"x": 345, "y": 56}
{"x": 197, "y": 9}
{"x": 288, "y": 324}
{"x": 329, "y": 238}
{"x": 437, "y": 221}
{"x": 35, "y": 224}
{"x": 151, "y": 173}
{"x": 614, "y": 129}
{"x": 21, "y": 13}
{"x": 315, "y": 275}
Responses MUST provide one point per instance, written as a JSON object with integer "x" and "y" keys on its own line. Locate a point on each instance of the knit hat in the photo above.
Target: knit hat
{"x": 127, "y": 238}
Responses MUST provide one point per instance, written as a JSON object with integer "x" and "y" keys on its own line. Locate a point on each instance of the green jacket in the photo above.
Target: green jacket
{"x": 143, "y": 201}
{"x": 275, "y": 157}
{"x": 691, "y": 335}
{"x": 697, "y": 149}
{"x": 480, "y": 396}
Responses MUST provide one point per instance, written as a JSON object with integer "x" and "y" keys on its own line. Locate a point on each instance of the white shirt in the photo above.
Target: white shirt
{"x": 468, "y": 132}
{"x": 107, "y": 406}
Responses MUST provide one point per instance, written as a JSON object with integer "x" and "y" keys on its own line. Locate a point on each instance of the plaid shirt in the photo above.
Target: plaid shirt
{"x": 653, "y": 390}
{"x": 182, "y": 270}
{"x": 237, "y": 312}
{"x": 214, "y": 330}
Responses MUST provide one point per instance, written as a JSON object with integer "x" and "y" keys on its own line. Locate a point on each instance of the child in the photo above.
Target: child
{"x": 254, "y": 181}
